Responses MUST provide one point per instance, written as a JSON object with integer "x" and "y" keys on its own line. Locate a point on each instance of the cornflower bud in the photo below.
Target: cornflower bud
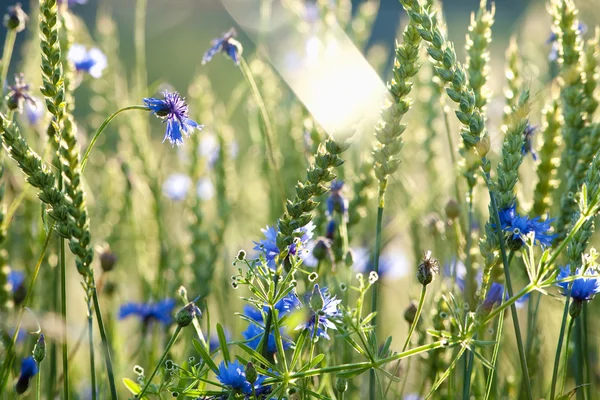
{"x": 186, "y": 315}
{"x": 427, "y": 269}
{"x": 15, "y": 19}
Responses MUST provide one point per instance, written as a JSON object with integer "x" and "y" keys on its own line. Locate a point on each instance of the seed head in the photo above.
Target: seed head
{"x": 428, "y": 268}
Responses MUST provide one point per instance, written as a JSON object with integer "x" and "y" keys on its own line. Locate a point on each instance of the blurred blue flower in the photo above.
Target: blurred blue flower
{"x": 393, "y": 264}
{"x": 553, "y": 39}
{"x": 318, "y": 321}
{"x": 177, "y": 186}
{"x": 527, "y": 143}
{"x": 29, "y": 369}
{"x": 34, "y": 111}
{"x": 225, "y": 44}
{"x": 254, "y": 334}
{"x": 16, "y": 279}
{"x": 174, "y": 111}
{"x": 268, "y": 246}
{"x": 494, "y": 297}
{"x": 582, "y": 289}
{"x": 72, "y": 2}
{"x": 520, "y": 226}
{"x": 336, "y": 201}
{"x": 18, "y": 94}
{"x": 92, "y": 61}
{"x": 205, "y": 189}
{"x": 148, "y": 312}
{"x": 214, "y": 344}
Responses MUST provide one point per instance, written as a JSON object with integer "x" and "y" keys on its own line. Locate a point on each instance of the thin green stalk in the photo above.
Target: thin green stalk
{"x": 101, "y": 129}
{"x": 107, "y": 359}
{"x": 559, "y": 345}
{"x": 374, "y": 297}
{"x": 586, "y": 352}
{"x": 38, "y": 383}
{"x": 53, "y": 351}
{"x": 9, "y": 45}
{"x": 566, "y": 360}
{"x": 63, "y": 312}
{"x": 411, "y": 330}
{"x": 509, "y": 289}
{"x": 9, "y": 358}
{"x": 495, "y": 353}
{"x": 578, "y": 358}
{"x": 468, "y": 372}
{"x": 91, "y": 344}
{"x": 162, "y": 360}
{"x": 247, "y": 73}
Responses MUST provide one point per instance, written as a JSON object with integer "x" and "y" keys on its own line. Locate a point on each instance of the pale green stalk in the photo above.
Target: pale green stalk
{"x": 9, "y": 45}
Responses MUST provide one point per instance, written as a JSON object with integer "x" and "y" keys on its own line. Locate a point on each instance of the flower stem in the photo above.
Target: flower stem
{"x": 107, "y": 359}
{"x": 162, "y": 360}
{"x": 559, "y": 345}
{"x": 266, "y": 121}
{"x": 9, "y": 353}
{"x": 586, "y": 350}
{"x": 101, "y": 129}
{"x": 411, "y": 330}
{"x": 374, "y": 297}
{"x": 9, "y": 44}
{"x": 91, "y": 345}
{"x": 38, "y": 383}
{"x": 63, "y": 313}
{"x": 566, "y": 361}
{"x": 495, "y": 353}
{"x": 509, "y": 289}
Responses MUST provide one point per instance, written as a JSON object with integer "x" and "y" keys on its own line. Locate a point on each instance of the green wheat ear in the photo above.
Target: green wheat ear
{"x": 390, "y": 128}
{"x": 573, "y": 102}
{"x": 478, "y": 54}
{"x": 514, "y": 81}
{"x": 549, "y": 158}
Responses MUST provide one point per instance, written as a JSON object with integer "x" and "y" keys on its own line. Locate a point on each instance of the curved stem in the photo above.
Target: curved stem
{"x": 101, "y": 129}
{"x": 410, "y": 333}
{"x": 559, "y": 346}
{"x": 266, "y": 121}
{"x": 162, "y": 360}
{"x": 509, "y": 289}
{"x": 107, "y": 359}
{"x": 9, "y": 349}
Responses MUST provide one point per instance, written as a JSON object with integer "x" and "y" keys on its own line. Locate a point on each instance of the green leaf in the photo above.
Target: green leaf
{"x": 223, "y": 343}
{"x": 299, "y": 347}
{"x": 256, "y": 355}
{"x": 133, "y": 387}
{"x": 205, "y": 356}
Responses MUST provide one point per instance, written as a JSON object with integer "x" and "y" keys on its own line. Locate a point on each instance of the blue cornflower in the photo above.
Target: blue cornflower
{"x": 234, "y": 377}
{"x": 582, "y": 289}
{"x": 174, "y": 111}
{"x": 268, "y": 246}
{"x": 254, "y": 334}
{"x": 177, "y": 186}
{"x": 527, "y": 141}
{"x": 16, "y": 279}
{"x": 18, "y": 94}
{"x": 92, "y": 61}
{"x": 494, "y": 297}
{"x": 520, "y": 226}
{"x": 225, "y": 44}
{"x": 336, "y": 201}
{"x": 29, "y": 369}
{"x": 148, "y": 312}
{"x": 321, "y": 309}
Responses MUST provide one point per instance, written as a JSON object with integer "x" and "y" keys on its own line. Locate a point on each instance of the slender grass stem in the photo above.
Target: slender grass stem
{"x": 267, "y": 124}
{"x": 107, "y": 359}
{"x": 38, "y": 383}
{"x": 91, "y": 344}
{"x": 586, "y": 351}
{"x": 411, "y": 330}
{"x": 578, "y": 358}
{"x": 63, "y": 312}
{"x": 468, "y": 368}
{"x": 496, "y": 351}
{"x": 566, "y": 359}
{"x": 509, "y": 288}
{"x": 9, "y": 351}
{"x": 9, "y": 45}
{"x": 162, "y": 360}
{"x": 375, "y": 295}
{"x": 101, "y": 129}
{"x": 559, "y": 346}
